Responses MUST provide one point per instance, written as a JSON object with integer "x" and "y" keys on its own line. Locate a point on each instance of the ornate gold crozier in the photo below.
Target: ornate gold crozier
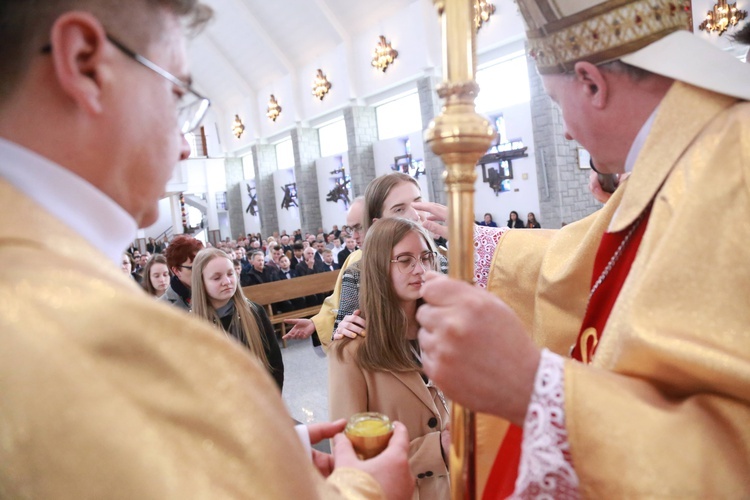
{"x": 460, "y": 136}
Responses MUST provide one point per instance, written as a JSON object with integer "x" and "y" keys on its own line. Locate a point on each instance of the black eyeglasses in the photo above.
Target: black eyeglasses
{"x": 193, "y": 106}
{"x": 189, "y": 268}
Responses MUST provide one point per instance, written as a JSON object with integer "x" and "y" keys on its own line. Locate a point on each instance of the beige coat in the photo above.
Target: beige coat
{"x": 106, "y": 393}
{"x": 401, "y": 396}
{"x": 664, "y": 409}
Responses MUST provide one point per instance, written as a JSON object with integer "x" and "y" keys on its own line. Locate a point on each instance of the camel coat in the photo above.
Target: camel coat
{"x": 401, "y": 396}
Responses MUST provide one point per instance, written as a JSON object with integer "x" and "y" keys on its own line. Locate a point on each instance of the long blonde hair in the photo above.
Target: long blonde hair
{"x": 385, "y": 348}
{"x": 244, "y": 322}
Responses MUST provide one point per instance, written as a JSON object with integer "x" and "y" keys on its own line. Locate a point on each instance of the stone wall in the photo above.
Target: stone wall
{"x": 361, "y": 133}
{"x": 564, "y": 196}
{"x": 306, "y": 144}
{"x": 431, "y": 106}
{"x": 264, "y": 163}
{"x": 234, "y": 174}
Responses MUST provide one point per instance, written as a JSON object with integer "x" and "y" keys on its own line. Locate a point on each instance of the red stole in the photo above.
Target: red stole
{"x": 604, "y": 296}
{"x": 502, "y": 478}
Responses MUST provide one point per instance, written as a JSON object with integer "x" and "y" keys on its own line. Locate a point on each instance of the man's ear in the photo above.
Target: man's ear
{"x": 79, "y": 43}
{"x": 592, "y": 83}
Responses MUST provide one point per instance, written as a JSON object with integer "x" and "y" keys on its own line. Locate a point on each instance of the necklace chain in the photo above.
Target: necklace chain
{"x": 616, "y": 256}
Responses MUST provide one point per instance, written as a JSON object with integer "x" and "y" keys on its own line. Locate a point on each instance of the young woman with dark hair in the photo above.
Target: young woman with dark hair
{"x": 514, "y": 221}
{"x": 531, "y": 221}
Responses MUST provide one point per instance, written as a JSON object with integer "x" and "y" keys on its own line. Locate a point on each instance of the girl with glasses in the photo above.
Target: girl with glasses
{"x": 390, "y": 195}
{"x": 218, "y": 299}
{"x": 381, "y": 372}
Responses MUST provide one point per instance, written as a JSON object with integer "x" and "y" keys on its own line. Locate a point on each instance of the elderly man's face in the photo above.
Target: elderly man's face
{"x": 309, "y": 254}
{"x": 598, "y": 127}
{"x": 354, "y": 220}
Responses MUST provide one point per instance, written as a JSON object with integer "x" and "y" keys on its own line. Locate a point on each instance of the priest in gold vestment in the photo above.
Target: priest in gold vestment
{"x": 105, "y": 393}
{"x": 650, "y": 300}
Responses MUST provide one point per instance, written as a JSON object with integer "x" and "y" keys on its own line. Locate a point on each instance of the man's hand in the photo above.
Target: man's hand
{"x": 432, "y": 214}
{"x": 303, "y": 328}
{"x": 351, "y": 326}
{"x": 390, "y": 468}
{"x": 319, "y": 432}
{"x": 596, "y": 189}
{"x": 475, "y": 348}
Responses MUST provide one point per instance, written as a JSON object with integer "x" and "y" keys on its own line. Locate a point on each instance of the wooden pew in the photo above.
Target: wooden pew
{"x": 267, "y": 294}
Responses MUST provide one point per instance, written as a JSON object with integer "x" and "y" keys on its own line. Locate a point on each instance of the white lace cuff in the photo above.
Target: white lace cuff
{"x": 485, "y": 243}
{"x": 546, "y": 468}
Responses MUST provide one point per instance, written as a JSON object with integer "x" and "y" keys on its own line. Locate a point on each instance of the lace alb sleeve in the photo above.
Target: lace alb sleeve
{"x": 485, "y": 242}
{"x": 546, "y": 468}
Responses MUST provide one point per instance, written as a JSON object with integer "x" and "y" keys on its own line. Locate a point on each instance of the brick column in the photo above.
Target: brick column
{"x": 234, "y": 174}
{"x": 264, "y": 163}
{"x": 306, "y": 144}
{"x": 564, "y": 195}
{"x": 430, "y": 105}
{"x": 361, "y": 133}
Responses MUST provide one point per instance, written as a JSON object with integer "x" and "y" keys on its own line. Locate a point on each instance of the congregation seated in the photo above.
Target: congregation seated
{"x": 328, "y": 263}
{"x": 297, "y": 254}
{"x": 180, "y": 255}
{"x": 155, "y": 279}
{"x": 127, "y": 267}
{"x": 219, "y": 300}
{"x": 514, "y": 222}
{"x": 350, "y": 245}
{"x": 531, "y": 221}
{"x": 258, "y": 272}
{"x": 310, "y": 266}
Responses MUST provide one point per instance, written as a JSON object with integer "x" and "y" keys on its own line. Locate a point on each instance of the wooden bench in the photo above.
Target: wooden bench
{"x": 267, "y": 294}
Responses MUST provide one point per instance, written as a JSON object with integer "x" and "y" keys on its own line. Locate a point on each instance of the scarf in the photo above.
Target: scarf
{"x": 180, "y": 289}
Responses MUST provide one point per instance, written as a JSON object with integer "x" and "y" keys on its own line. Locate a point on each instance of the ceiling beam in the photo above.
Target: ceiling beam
{"x": 333, "y": 20}
{"x": 258, "y": 29}
{"x": 247, "y": 88}
{"x": 225, "y": 60}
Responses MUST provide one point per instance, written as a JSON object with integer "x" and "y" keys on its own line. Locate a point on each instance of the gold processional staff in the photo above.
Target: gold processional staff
{"x": 460, "y": 137}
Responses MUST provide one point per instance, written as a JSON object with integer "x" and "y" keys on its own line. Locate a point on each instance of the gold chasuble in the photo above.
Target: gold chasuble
{"x": 108, "y": 393}
{"x": 663, "y": 409}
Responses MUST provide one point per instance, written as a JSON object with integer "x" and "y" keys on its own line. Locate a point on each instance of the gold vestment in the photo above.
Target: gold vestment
{"x": 107, "y": 393}
{"x": 664, "y": 408}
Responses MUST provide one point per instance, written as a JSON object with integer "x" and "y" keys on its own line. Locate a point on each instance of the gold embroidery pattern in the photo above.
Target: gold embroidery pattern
{"x": 608, "y": 35}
